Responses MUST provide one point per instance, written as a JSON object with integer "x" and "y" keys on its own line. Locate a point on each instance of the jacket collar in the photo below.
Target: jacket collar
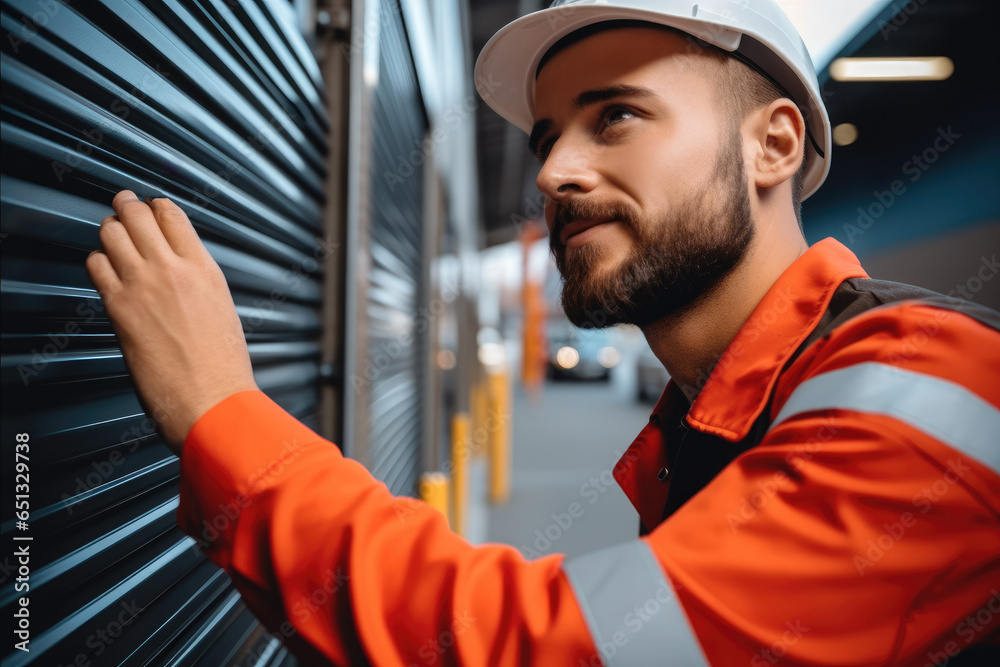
{"x": 738, "y": 387}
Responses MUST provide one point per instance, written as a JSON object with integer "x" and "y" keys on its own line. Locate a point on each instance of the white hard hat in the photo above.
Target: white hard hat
{"x": 755, "y": 31}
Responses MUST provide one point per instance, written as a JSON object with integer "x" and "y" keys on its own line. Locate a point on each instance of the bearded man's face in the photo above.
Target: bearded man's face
{"x": 647, "y": 200}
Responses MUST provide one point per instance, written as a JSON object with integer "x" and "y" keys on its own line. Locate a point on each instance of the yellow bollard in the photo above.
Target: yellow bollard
{"x": 498, "y": 425}
{"x": 480, "y": 407}
{"x": 433, "y": 490}
{"x": 459, "y": 470}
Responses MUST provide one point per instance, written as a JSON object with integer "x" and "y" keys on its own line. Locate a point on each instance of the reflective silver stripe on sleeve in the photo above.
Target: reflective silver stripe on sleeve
{"x": 940, "y": 408}
{"x": 631, "y": 609}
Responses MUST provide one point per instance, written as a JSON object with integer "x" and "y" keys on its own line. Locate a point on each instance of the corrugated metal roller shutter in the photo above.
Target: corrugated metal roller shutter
{"x": 396, "y": 339}
{"x": 218, "y": 105}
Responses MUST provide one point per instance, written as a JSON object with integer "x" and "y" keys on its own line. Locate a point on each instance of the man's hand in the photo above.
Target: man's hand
{"x": 172, "y": 311}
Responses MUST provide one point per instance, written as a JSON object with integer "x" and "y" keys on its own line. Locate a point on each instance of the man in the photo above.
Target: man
{"x": 829, "y": 496}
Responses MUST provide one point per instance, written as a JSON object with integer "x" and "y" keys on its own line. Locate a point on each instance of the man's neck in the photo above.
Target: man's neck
{"x": 690, "y": 343}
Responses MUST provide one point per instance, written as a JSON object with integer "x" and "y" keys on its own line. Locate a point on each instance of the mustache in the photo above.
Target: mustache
{"x": 576, "y": 209}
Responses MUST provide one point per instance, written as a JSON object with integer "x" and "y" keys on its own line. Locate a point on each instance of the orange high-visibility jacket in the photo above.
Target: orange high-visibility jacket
{"x": 823, "y": 502}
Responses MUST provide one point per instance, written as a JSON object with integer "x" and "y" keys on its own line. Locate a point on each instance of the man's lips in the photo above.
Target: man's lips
{"x": 573, "y": 228}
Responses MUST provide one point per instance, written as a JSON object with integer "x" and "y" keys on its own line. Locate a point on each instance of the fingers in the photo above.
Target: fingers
{"x": 145, "y": 231}
{"x": 140, "y": 223}
{"x": 176, "y": 227}
{"x": 118, "y": 248}
{"x": 102, "y": 274}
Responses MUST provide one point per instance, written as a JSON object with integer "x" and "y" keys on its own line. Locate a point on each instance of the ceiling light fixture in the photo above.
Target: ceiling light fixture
{"x": 936, "y": 68}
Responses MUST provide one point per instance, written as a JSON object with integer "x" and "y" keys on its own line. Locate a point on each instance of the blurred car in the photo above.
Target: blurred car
{"x": 580, "y": 354}
{"x": 651, "y": 377}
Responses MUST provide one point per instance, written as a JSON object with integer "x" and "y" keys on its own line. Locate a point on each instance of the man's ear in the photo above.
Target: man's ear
{"x": 780, "y": 133}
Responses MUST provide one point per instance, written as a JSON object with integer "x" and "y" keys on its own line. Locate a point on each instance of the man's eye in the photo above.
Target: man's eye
{"x": 543, "y": 149}
{"x": 616, "y": 115}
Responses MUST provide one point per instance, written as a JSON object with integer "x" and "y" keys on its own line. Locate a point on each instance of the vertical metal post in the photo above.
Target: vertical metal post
{"x": 335, "y": 67}
{"x": 363, "y": 56}
{"x": 430, "y": 297}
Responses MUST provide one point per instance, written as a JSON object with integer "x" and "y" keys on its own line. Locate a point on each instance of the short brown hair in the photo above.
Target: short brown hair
{"x": 744, "y": 89}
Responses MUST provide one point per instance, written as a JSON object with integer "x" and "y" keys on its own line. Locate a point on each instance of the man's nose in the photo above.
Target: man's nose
{"x": 567, "y": 171}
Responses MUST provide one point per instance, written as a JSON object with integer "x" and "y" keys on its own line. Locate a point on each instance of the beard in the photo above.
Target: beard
{"x": 675, "y": 260}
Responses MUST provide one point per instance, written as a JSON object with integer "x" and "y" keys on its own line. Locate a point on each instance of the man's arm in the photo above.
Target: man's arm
{"x": 330, "y": 560}
{"x": 319, "y": 549}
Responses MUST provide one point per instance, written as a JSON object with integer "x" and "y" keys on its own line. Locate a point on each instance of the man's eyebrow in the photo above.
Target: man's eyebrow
{"x": 589, "y": 97}
{"x": 586, "y": 99}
